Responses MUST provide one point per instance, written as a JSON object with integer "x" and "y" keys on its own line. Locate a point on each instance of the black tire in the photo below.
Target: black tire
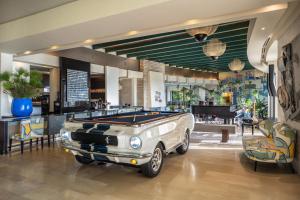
{"x": 153, "y": 167}
{"x": 184, "y": 147}
{"x": 83, "y": 160}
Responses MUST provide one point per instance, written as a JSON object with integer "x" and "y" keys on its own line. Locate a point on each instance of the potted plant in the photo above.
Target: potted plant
{"x": 22, "y": 86}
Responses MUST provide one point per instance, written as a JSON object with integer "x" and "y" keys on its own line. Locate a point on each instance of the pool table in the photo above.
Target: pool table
{"x": 139, "y": 139}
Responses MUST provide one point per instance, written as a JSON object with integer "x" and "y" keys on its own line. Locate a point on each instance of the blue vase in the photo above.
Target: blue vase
{"x": 21, "y": 107}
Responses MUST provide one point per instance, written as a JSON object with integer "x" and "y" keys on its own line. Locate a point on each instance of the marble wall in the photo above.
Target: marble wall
{"x": 127, "y": 91}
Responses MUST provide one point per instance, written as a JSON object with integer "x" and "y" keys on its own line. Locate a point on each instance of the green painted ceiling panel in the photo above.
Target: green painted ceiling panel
{"x": 191, "y": 42}
{"x": 146, "y": 51}
{"x": 179, "y": 49}
{"x": 172, "y": 52}
{"x": 172, "y": 40}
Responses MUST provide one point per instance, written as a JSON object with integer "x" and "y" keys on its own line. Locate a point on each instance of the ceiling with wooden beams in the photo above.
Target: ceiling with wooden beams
{"x": 180, "y": 49}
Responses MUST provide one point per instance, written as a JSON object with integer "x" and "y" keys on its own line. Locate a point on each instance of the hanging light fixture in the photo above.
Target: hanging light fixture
{"x": 201, "y": 33}
{"x": 236, "y": 65}
{"x": 214, "y": 48}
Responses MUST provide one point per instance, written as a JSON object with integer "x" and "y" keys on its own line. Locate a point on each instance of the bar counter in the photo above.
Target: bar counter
{"x": 17, "y": 132}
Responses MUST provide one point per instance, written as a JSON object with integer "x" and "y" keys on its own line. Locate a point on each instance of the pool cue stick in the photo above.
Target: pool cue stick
{"x": 126, "y": 116}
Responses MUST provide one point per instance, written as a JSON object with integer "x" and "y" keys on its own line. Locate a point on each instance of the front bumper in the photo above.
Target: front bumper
{"x": 111, "y": 156}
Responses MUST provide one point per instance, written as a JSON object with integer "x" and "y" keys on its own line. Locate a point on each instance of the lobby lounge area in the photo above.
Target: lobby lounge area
{"x": 123, "y": 100}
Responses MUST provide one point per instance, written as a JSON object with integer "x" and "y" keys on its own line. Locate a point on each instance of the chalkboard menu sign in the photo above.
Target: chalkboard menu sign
{"x": 77, "y": 86}
{"x": 74, "y": 85}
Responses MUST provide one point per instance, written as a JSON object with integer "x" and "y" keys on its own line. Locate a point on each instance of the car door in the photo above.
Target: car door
{"x": 167, "y": 133}
{"x": 180, "y": 130}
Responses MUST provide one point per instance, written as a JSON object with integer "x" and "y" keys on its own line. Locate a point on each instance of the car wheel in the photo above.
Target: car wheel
{"x": 185, "y": 146}
{"x": 83, "y": 160}
{"x": 153, "y": 167}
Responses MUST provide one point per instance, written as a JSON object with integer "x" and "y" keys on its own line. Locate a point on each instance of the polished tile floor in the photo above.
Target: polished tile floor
{"x": 200, "y": 174}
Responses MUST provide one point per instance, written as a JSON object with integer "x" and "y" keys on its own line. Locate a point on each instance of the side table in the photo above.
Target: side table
{"x": 249, "y": 124}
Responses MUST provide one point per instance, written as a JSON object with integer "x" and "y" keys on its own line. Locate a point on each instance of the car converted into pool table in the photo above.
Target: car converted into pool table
{"x": 139, "y": 139}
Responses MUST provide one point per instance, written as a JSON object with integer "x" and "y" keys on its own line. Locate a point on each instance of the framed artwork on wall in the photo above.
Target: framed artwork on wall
{"x": 289, "y": 90}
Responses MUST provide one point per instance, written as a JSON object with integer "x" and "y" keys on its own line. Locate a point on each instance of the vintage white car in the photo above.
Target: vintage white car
{"x": 139, "y": 139}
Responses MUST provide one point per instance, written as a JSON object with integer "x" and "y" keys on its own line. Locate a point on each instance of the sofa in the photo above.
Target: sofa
{"x": 276, "y": 146}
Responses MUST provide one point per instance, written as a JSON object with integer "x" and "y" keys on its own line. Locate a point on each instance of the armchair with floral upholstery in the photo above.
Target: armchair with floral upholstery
{"x": 278, "y": 146}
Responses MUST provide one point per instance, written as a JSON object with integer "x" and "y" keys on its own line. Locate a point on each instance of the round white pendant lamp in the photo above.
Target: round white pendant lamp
{"x": 201, "y": 33}
{"x": 236, "y": 65}
{"x": 214, "y": 48}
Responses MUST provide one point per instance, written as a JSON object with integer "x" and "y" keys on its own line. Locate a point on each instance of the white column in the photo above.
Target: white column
{"x": 201, "y": 94}
{"x": 112, "y": 85}
{"x": 156, "y": 91}
{"x": 6, "y": 64}
{"x": 154, "y": 84}
{"x": 54, "y": 86}
{"x": 134, "y": 92}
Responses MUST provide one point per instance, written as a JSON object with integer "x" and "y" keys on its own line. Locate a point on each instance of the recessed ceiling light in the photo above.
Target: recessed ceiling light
{"x": 54, "y": 47}
{"x": 275, "y": 7}
{"x": 263, "y": 28}
{"x": 191, "y": 22}
{"x": 133, "y": 32}
{"x": 27, "y": 52}
{"x": 88, "y": 41}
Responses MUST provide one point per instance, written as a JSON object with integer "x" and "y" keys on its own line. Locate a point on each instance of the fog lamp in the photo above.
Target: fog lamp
{"x": 133, "y": 162}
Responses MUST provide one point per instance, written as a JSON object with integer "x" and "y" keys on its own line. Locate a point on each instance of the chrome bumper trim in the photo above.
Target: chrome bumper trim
{"x": 119, "y": 155}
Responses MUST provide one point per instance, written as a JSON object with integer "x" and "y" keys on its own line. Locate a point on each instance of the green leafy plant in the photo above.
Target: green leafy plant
{"x": 261, "y": 108}
{"x": 185, "y": 97}
{"x": 177, "y": 95}
{"x": 172, "y": 107}
{"x": 248, "y": 103}
{"x": 22, "y": 84}
{"x": 217, "y": 93}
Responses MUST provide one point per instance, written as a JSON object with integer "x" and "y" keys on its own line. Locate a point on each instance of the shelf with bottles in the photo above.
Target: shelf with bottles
{"x": 98, "y": 90}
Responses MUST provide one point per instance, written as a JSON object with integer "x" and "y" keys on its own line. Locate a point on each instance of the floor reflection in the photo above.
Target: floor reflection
{"x": 206, "y": 173}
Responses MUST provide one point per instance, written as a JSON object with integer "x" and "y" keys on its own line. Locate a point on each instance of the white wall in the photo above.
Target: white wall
{"x": 40, "y": 59}
{"x": 6, "y": 64}
{"x": 97, "y": 69}
{"x": 112, "y": 85}
{"x": 157, "y": 86}
{"x": 18, "y": 65}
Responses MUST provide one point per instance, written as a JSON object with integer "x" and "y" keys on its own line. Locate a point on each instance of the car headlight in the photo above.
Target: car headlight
{"x": 64, "y": 134}
{"x": 135, "y": 142}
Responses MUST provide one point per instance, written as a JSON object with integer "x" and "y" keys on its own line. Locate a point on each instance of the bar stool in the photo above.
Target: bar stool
{"x": 49, "y": 139}
{"x": 22, "y": 143}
